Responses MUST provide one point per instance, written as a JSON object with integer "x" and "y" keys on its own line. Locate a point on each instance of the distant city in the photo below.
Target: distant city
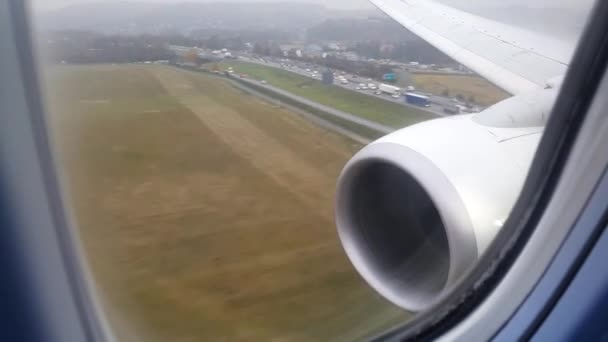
{"x": 294, "y": 37}
{"x": 83, "y": 33}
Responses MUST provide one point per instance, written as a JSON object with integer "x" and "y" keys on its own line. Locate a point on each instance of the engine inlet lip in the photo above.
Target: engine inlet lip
{"x": 460, "y": 234}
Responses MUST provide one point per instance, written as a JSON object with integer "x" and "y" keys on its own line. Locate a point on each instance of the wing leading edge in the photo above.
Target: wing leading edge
{"x": 514, "y": 59}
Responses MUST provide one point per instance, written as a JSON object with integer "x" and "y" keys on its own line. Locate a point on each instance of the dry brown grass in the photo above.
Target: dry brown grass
{"x": 206, "y": 213}
{"x": 484, "y": 92}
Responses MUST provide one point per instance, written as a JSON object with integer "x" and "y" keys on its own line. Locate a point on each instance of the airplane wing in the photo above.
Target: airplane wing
{"x": 515, "y": 59}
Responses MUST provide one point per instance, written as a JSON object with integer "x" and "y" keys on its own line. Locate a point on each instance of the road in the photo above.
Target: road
{"x": 354, "y": 81}
{"x": 312, "y": 117}
{"x": 308, "y": 69}
{"x": 337, "y": 113}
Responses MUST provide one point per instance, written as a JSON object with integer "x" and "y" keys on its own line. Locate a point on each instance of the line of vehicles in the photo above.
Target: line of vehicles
{"x": 410, "y": 96}
{"x": 396, "y": 92}
{"x": 406, "y": 95}
{"x": 379, "y": 89}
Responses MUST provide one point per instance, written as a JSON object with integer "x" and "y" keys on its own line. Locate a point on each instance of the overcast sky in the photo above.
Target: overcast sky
{"x": 560, "y": 18}
{"x": 339, "y": 4}
{"x": 349, "y": 4}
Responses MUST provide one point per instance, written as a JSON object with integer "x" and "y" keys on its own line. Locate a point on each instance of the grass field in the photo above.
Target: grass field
{"x": 484, "y": 92}
{"x": 206, "y": 213}
{"x": 368, "y": 107}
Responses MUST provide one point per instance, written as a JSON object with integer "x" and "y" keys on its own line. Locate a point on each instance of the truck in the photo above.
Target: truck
{"x": 417, "y": 99}
{"x": 450, "y": 108}
{"x": 389, "y": 89}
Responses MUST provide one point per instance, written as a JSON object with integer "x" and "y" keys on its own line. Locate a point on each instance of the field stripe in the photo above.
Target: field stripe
{"x": 264, "y": 152}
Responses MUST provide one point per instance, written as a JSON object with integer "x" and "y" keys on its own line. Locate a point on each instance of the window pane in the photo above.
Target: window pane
{"x": 202, "y": 144}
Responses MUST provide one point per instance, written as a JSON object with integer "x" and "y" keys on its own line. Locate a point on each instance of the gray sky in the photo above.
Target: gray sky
{"x": 563, "y": 18}
{"x": 339, "y": 4}
{"x": 352, "y": 4}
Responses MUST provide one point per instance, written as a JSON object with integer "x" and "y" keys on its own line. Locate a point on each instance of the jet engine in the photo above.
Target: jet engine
{"x": 416, "y": 208}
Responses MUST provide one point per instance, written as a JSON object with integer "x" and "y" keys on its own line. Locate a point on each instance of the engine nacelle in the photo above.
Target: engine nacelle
{"x": 416, "y": 208}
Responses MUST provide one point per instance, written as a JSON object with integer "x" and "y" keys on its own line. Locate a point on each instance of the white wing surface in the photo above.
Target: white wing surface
{"x": 513, "y": 58}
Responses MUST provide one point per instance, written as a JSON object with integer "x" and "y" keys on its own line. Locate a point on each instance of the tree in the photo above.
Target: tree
{"x": 274, "y": 49}
{"x": 369, "y": 49}
{"x": 214, "y": 43}
{"x": 89, "y": 47}
{"x": 293, "y": 53}
{"x": 192, "y": 57}
{"x": 261, "y": 48}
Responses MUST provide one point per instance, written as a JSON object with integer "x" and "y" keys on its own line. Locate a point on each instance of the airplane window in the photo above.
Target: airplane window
{"x": 256, "y": 170}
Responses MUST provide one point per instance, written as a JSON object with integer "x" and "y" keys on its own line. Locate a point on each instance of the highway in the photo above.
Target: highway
{"x": 354, "y": 81}
{"x": 312, "y": 117}
{"x": 308, "y": 70}
{"x": 337, "y": 113}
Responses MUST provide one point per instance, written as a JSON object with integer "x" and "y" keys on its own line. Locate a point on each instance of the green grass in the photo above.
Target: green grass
{"x": 353, "y": 127}
{"x": 368, "y": 107}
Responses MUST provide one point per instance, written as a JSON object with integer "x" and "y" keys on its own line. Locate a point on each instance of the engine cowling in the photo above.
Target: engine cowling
{"x": 416, "y": 208}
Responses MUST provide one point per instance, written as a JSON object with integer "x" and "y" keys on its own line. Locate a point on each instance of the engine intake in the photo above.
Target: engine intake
{"x": 416, "y": 209}
{"x": 384, "y": 195}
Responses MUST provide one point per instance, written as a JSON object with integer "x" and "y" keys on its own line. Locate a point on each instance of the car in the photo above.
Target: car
{"x": 357, "y": 88}
{"x": 396, "y": 96}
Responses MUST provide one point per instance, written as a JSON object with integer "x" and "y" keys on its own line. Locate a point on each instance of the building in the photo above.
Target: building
{"x": 335, "y": 46}
{"x": 288, "y": 49}
{"x": 313, "y": 50}
{"x": 351, "y": 56}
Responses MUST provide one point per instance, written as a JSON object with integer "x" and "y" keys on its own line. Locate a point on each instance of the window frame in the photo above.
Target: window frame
{"x": 51, "y": 293}
{"x": 51, "y": 253}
